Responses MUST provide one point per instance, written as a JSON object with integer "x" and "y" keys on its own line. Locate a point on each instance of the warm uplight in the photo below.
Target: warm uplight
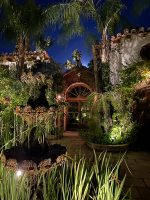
{"x": 19, "y": 173}
{"x": 38, "y": 58}
{"x": 84, "y": 114}
{"x": 147, "y": 74}
{"x": 77, "y": 118}
{"x": 59, "y": 97}
{"x": 112, "y": 138}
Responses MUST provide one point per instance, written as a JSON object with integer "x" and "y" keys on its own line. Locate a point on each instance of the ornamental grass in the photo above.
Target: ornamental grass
{"x": 75, "y": 179}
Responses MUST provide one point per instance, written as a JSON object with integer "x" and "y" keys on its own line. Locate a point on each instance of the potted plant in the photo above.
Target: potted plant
{"x": 110, "y": 125}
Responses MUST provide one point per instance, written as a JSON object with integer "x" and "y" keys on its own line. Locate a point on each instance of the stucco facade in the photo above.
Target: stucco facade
{"x": 125, "y": 50}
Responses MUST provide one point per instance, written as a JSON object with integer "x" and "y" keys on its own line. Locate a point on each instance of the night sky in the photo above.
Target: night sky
{"x": 62, "y": 53}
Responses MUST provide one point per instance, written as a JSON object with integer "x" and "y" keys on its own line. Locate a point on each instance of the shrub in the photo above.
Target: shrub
{"x": 110, "y": 117}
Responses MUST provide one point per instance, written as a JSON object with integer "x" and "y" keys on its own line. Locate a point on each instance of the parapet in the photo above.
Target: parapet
{"x": 129, "y": 34}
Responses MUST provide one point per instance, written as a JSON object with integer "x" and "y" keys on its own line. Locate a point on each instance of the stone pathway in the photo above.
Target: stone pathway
{"x": 136, "y": 165}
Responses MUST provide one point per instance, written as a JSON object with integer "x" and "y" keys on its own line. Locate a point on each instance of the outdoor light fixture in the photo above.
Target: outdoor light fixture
{"x": 38, "y": 58}
{"x": 77, "y": 118}
{"x": 19, "y": 173}
{"x": 84, "y": 114}
{"x": 59, "y": 97}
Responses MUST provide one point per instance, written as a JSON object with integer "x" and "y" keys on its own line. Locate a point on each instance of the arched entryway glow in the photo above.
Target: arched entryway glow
{"x": 76, "y": 96}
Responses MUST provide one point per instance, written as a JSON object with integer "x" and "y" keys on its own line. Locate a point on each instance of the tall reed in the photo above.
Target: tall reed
{"x": 73, "y": 180}
{"x": 13, "y": 187}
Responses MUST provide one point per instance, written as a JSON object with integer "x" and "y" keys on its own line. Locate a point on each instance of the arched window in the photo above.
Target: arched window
{"x": 79, "y": 91}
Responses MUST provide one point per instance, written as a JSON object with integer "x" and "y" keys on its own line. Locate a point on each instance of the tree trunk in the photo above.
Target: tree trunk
{"x": 100, "y": 73}
{"x": 21, "y": 56}
{"x": 104, "y": 56}
{"x": 78, "y": 63}
{"x": 96, "y": 61}
{"x": 27, "y": 43}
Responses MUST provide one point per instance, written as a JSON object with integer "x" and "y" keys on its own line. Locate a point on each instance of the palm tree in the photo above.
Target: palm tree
{"x": 2, "y": 2}
{"x": 106, "y": 14}
{"x": 20, "y": 22}
{"x": 76, "y": 55}
{"x": 24, "y": 21}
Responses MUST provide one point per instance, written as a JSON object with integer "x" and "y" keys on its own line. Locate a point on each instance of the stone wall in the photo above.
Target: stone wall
{"x": 125, "y": 50}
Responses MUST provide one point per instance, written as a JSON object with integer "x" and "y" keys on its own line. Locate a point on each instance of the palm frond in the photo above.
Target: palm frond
{"x": 140, "y": 6}
{"x": 111, "y": 12}
{"x": 63, "y": 14}
{"x": 104, "y": 13}
{"x": 69, "y": 31}
{"x": 67, "y": 17}
{"x": 91, "y": 39}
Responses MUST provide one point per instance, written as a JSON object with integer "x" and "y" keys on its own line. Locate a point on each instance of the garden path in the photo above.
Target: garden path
{"x": 136, "y": 165}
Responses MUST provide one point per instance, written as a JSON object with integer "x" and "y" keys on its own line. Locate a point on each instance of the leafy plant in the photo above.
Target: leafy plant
{"x": 75, "y": 179}
{"x": 13, "y": 93}
{"x": 135, "y": 73}
{"x": 110, "y": 117}
{"x": 17, "y": 119}
{"x": 12, "y": 187}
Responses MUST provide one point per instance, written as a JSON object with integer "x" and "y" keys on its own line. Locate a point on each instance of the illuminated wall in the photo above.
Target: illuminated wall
{"x": 125, "y": 50}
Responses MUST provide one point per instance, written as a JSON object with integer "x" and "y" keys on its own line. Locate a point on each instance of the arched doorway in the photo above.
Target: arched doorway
{"x": 145, "y": 52}
{"x": 75, "y": 112}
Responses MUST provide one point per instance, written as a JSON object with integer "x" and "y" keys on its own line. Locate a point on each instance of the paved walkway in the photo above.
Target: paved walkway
{"x": 136, "y": 164}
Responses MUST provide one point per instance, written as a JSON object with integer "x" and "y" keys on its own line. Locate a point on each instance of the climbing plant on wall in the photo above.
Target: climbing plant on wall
{"x": 135, "y": 73}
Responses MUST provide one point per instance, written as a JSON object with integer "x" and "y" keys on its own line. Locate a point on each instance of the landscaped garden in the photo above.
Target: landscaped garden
{"x": 110, "y": 116}
{"x": 34, "y": 103}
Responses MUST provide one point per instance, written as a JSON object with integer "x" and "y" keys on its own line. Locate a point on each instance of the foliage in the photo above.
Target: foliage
{"x": 11, "y": 187}
{"x": 23, "y": 21}
{"x": 17, "y": 119}
{"x": 76, "y": 55}
{"x": 110, "y": 117}
{"x": 104, "y": 73}
{"x": 30, "y": 19}
{"x": 43, "y": 44}
{"x": 25, "y": 18}
{"x": 13, "y": 93}
{"x": 135, "y": 73}
{"x": 110, "y": 120}
{"x": 72, "y": 22}
{"x": 105, "y": 77}
{"x": 134, "y": 78}
{"x": 6, "y": 127}
{"x": 94, "y": 133}
{"x": 75, "y": 179}
{"x": 57, "y": 82}
{"x": 35, "y": 82}
{"x": 106, "y": 14}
